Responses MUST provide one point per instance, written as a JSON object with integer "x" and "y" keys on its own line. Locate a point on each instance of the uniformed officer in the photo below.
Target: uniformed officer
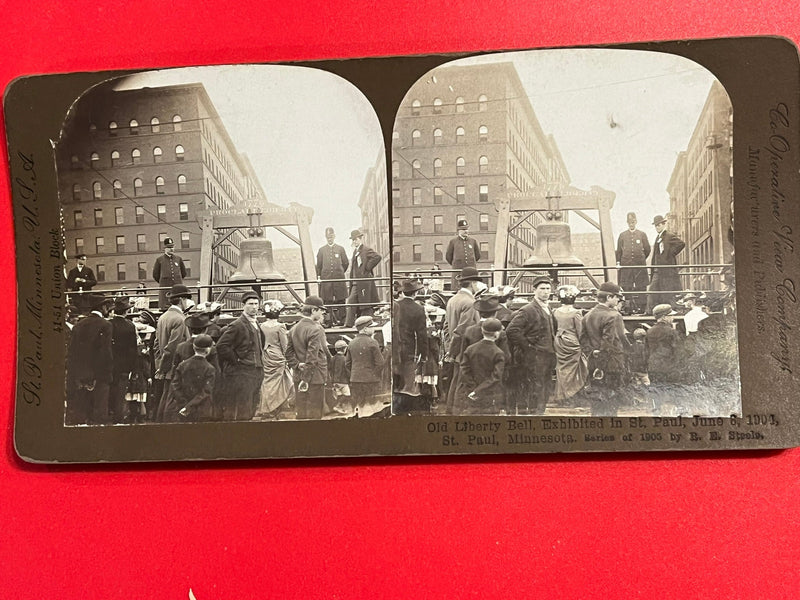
{"x": 633, "y": 248}
{"x": 332, "y": 262}
{"x": 462, "y": 251}
{"x": 167, "y": 271}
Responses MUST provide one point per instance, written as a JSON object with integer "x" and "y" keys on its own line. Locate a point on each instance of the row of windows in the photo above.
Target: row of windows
{"x": 461, "y": 167}
{"x": 438, "y": 224}
{"x": 417, "y": 194}
{"x": 133, "y": 126}
{"x": 438, "y": 104}
{"x": 136, "y": 157}
{"x": 118, "y": 192}
{"x": 120, "y": 247}
{"x": 417, "y": 255}
{"x": 438, "y": 136}
{"x": 119, "y": 215}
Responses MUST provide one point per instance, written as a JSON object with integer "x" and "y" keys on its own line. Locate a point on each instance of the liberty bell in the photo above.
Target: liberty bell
{"x": 553, "y": 244}
{"x": 255, "y": 260}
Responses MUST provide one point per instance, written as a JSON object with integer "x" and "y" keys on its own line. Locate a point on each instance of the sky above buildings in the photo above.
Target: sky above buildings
{"x": 619, "y": 119}
{"x": 310, "y": 135}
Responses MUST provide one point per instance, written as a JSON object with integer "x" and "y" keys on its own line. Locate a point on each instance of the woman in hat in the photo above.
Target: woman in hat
{"x": 277, "y": 387}
{"x": 571, "y": 368}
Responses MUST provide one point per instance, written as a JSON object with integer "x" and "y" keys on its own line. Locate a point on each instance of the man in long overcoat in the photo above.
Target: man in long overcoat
{"x": 170, "y": 332}
{"x": 167, "y": 271}
{"x": 80, "y": 279}
{"x": 124, "y": 347}
{"x": 332, "y": 263}
{"x": 462, "y": 251}
{"x": 603, "y": 339}
{"x": 308, "y": 356}
{"x": 363, "y": 291}
{"x": 666, "y": 248}
{"x": 409, "y": 345}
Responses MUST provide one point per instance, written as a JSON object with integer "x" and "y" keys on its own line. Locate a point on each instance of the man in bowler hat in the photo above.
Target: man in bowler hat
{"x": 170, "y": 332}
{"x": 332, "y": 263}
{"x": 462, "y": 251}
{"x": 409, "y": 346}
{"x": 167, "y": 271}
{"x": 308, "y": 356}
{"x": 664, "y": 276}
{"x": 125, "y": 352}
{"x": 363, "y": 291}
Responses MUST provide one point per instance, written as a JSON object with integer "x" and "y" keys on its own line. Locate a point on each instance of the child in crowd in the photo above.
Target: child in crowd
{"x": 193, "y": 382}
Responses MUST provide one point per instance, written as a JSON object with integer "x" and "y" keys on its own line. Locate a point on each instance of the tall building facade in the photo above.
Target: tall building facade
{"x": 701, "y": 191}
{"x": 465, "y": 137}
{"x": 138, "y": 166}
{"x": 374, "y": 207}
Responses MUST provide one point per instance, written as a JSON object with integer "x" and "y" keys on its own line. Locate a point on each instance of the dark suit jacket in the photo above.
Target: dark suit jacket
{"x": 473, "y": 334}
{"x": 482, "y": 370}
{"x": 76, "y": 286}
{"x": 307, "y": 344}
{"x": 661, "y": 345}
{"x": 364, "y": 261}
{"x": 604, "y": 330}
{"x": 123, "y": 342}
{"x": 193, "y": 385}
{"x": 409, "y": 331}
{"x": 532, "y": 329}
{"x": 364, "y": 360}
{"x": 90, "y": 355}
{"x": 240, "y": 345}
{"x": 169, "y": 270}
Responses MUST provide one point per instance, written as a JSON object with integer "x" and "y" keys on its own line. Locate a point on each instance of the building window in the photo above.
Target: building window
{"x": 438, "y": 223}
{"x": 483, "y": 165}
{"x": 437, "y": 136}
{"x": 179, "y": 153}
{"x": 415, "y": 135}
{"x": 483, "y": 133}
{"x": 77, "y": 218}
{"x": 184, "y": 240}
{"x": 395, "y": 169}
{"x": 157, "y": 154}
{"x": 396, "y": 254}
{"x": 134, "y": 126}
{"x": 159, "y": 185}
{"x": 76, "y": 192}
{"x": 438, "y": 256}
{"x": 99, "y": 244}
{"x": 416, "y": 196}
{"x": 141, "y": 270}
{"x": 415, "y": 169}
{"x": 188, "y": 264}
{"x": 460, "y": 135}
{"x": 396, "y": 224}
{"x": 94, "y": 157}
{"x": 417, "y": 248}
{"x": 484, "y": 222}
{"x": 119, "y": 216}
{"x": 120, "y": 243}
{"x": 181, "y": 183}
{"x": 117, "y": 188}
{"x": 483, "y": 193}
{"x": 161, "y": 210}
{"x": 395, "y": 195}
{"x": 437, "y": 195}
{"x": 461, "y": 165}
{"x": 461, "y": 194}
{"x": 416, "y": 225}
{"x": 437, "y": 106}
{"x": 137, "y": 187}
{"x": 437, "y": 167}
{"x": 485, "y": 250}
{"x": 177, "y": 123}
{"x": 183, "y": 211}
{"x": 78, "y": 245}
{"x": 98, "y": 217}
{"x": 112, "y": 128}
{"x": 155, "y": 127}
{"x": 415, "y": 107}
{"x": 140, "y": 214}
{"x": 100, "y": 272}
{"x": 459, "y": 104}
{"x": 141, "y": 242}
{"x": 136, "y": 156}
{"x": 97, "y": 190}
{"x": 482, "y": 102}
{"x": 114, "y": 158}
{"x": 120, "y": 271}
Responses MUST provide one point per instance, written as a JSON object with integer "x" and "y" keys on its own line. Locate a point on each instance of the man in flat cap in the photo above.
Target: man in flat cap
{"x": 170, "y": 332}
{"x": 480, "y": 388}
{"x": 89, "y": 365}
{"x": 633, "y": 248}
{"x": 80, "y": 279}
{"x": 363, "y": 291}
{"x": 167, "y": 271}
{"x": 308, "y": 356}
{"x": 125, "y": 352}
{"x": 332, "y": 263}
{"x": 239, "y": 349}
{"x": 462, "y": 251}
{"x": 193, "y": 384}
{"x": 364, "y": 360}
{"x": 409, "y": 346}
{"x": 531, "y": 336}
{"x": 663, "y": 345}
{"x": 664, "y": 276}
{"x": 603, "y": 339}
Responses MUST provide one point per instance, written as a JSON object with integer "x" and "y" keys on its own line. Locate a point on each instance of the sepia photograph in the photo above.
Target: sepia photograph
{"x": 227, "y": 257}
{"x": 563, "y": 238}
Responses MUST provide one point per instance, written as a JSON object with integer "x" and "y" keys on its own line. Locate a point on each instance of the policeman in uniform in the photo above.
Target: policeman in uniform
{"x": 332, "y": 262}
{"x": 168, "y": 271}
{"x": 462, "y": 251}
{"x": 633, "y": 248}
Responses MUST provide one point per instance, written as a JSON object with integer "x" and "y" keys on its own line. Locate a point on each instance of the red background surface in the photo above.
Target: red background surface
{"x": 670, "y": 525}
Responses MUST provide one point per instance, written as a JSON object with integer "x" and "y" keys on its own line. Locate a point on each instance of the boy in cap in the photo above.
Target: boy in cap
{"x": 340, "y": 378}
{"x": 662, "y": 347}
{"x": 193, "y": 383}
{"x": 365, "y": 363}
{"x": 480, "y": 388}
